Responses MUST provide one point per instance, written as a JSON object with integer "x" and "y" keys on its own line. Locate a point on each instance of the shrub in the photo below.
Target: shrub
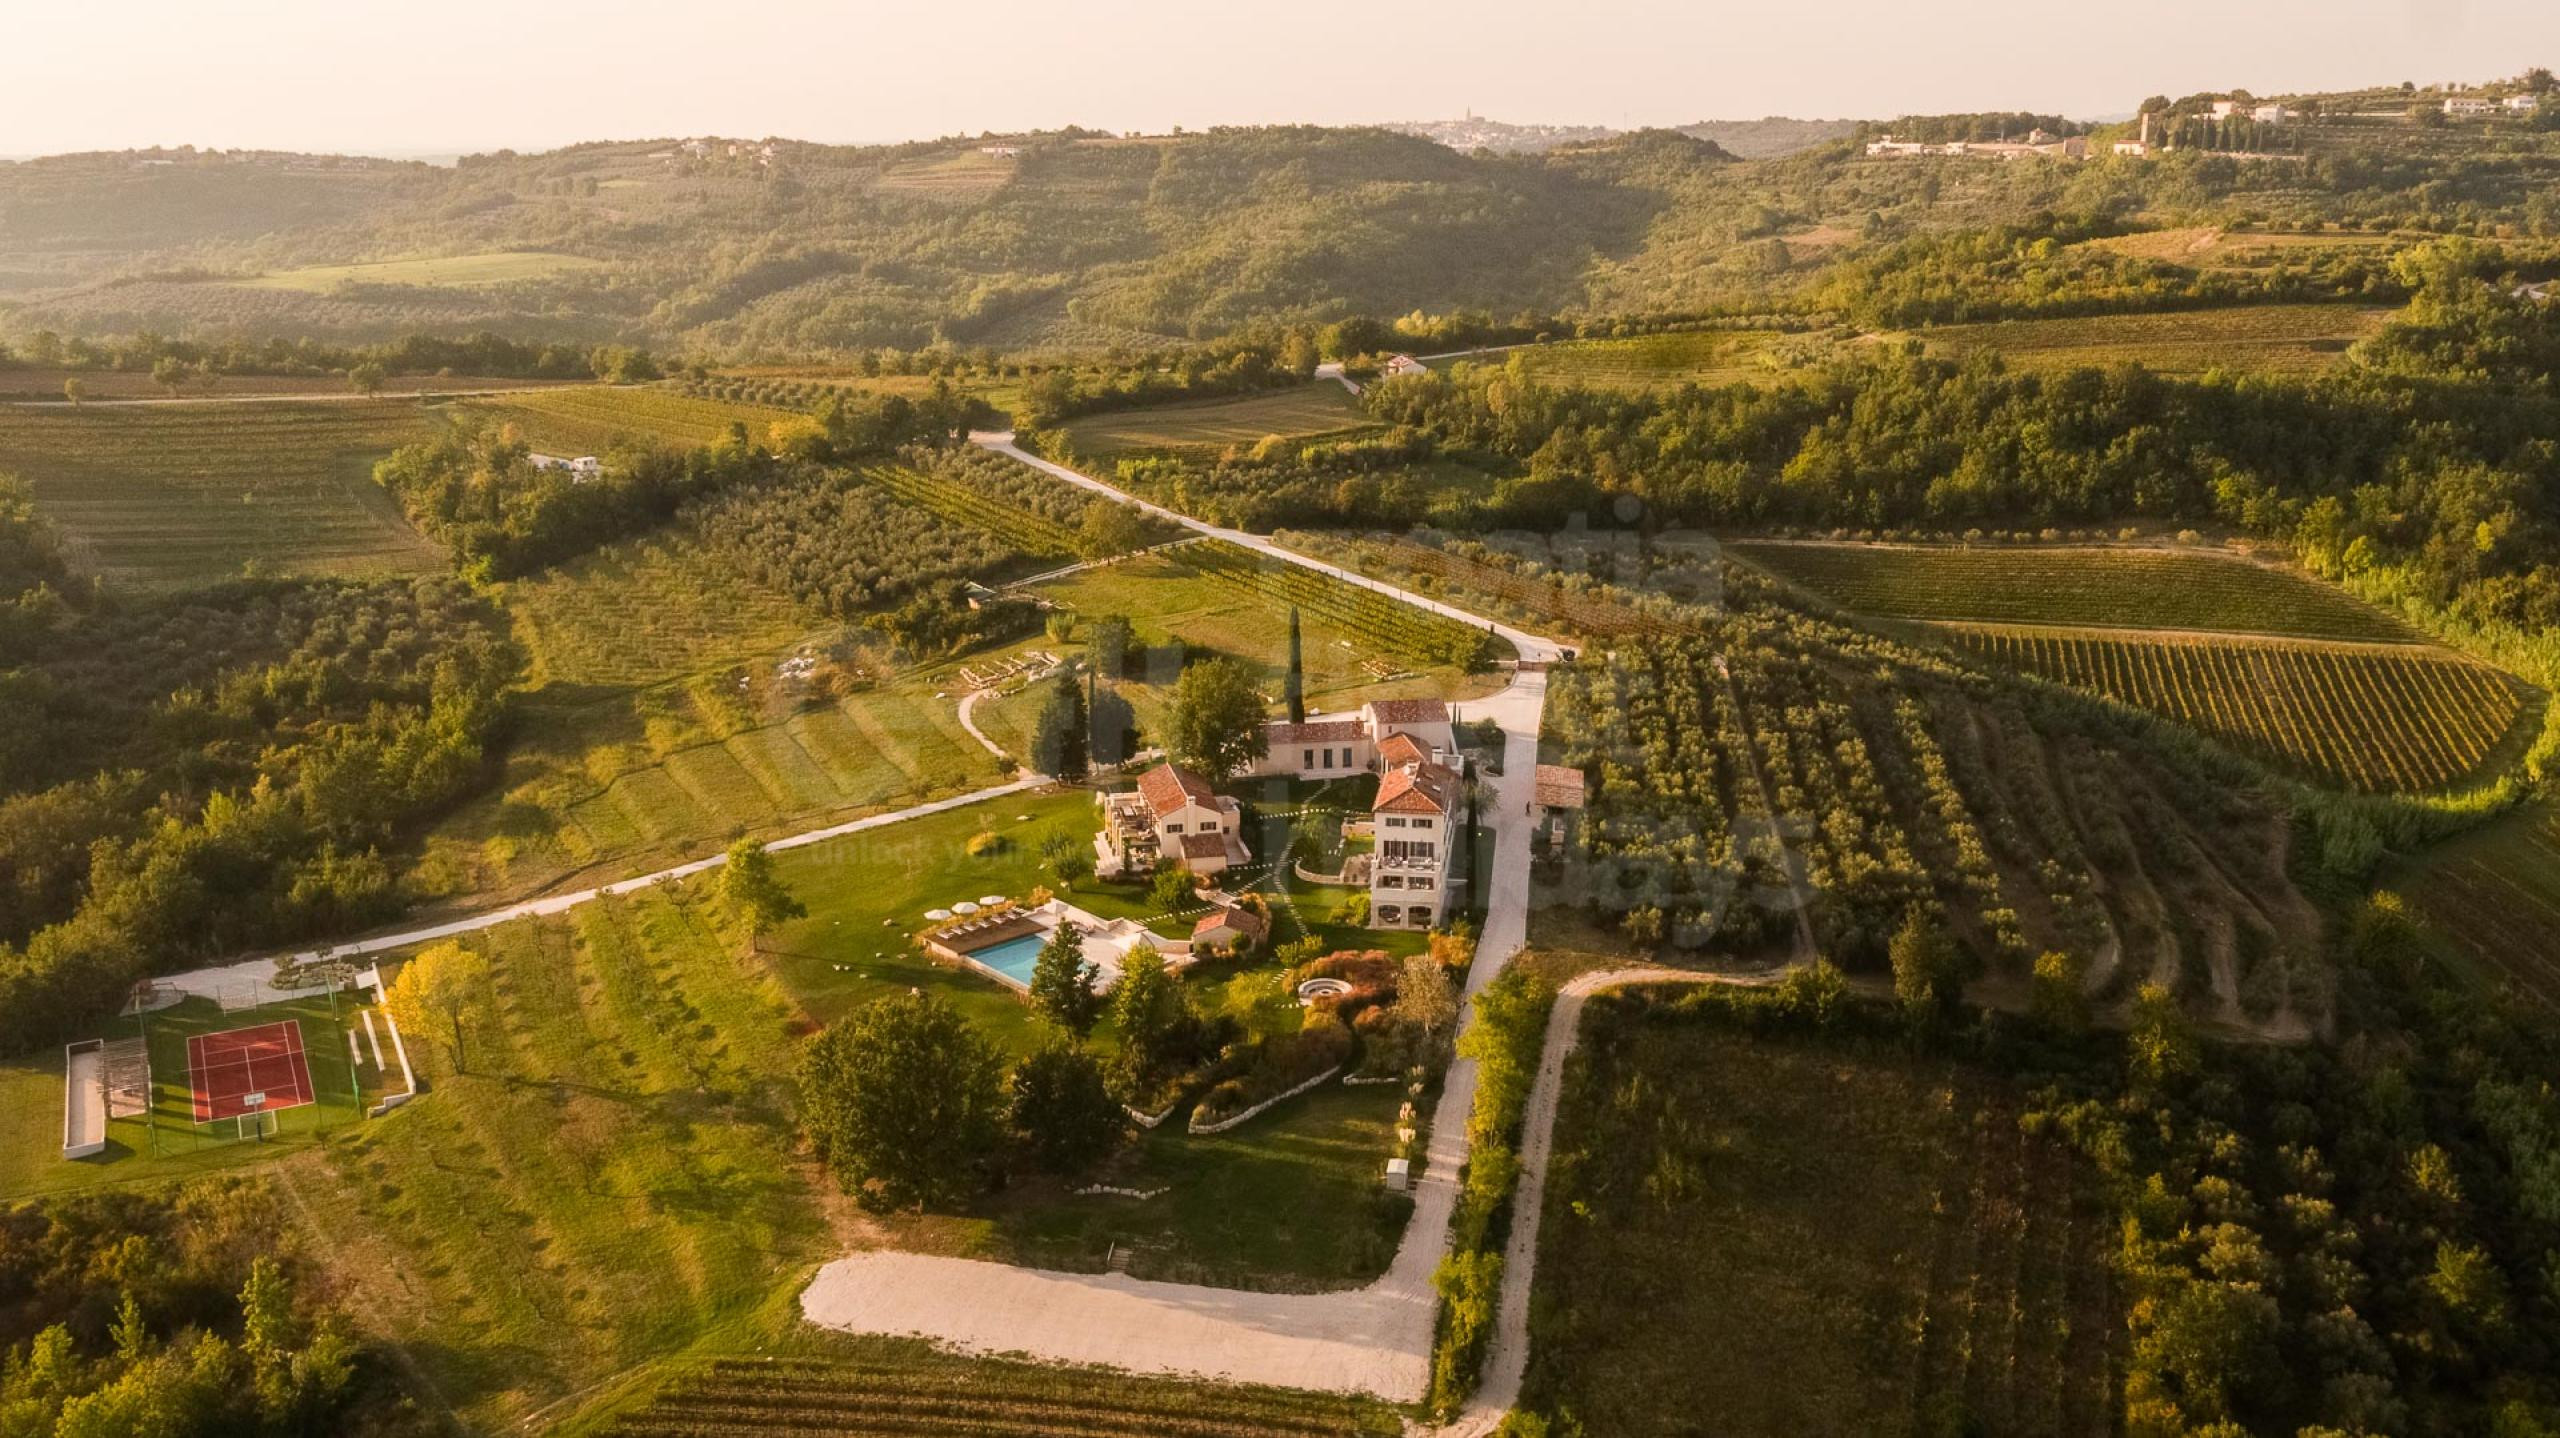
{"x": 1278, "y": 1065}
{"x": 985, "y": 844}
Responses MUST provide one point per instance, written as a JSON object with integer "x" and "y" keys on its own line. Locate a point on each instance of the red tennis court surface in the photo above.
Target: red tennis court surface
{"x": 252, "y": 1070}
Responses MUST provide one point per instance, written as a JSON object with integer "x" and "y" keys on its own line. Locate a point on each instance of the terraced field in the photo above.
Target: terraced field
{"x": 2496, "y": 894}
{"x": 931, "y": 1396}
{"x": 645, "y": 611}
{"x": 1306, "y": 412}
{"x": 2272, "y": 339}
{"x": 587, "y": 419}
{"x": 1879, "y": 1220}
{"x": 2088, "y": 587}
{"x": 171, "y": 495}
{"x": 493, "y": 267}
{"x": 2374, "y": 717}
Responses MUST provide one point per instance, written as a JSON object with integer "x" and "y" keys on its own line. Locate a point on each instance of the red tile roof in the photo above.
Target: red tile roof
{"x": 1559, "y": 786}
{"x": 1398, "y": 750}
{"x": 1316, "y": 731}
{"x": 1168, "y": 787}
{"x": 1417, "y": 789}
{"x": 1204, "y": 846}
{"x": 1242, "y": 921}
{"x": 1410, "y": 711}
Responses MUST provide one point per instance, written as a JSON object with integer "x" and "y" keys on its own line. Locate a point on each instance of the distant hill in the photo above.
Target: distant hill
{"x": 1774, "y": 136}
{"x": 1746, "y": 139}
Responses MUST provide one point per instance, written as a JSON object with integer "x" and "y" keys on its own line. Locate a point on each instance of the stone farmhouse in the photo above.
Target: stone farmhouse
{"x": 1174, "y": 815}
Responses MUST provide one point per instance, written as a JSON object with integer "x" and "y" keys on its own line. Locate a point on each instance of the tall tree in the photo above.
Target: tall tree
{"x": 1063, "y": 1114}
{"x": 1062, "y": 732}
{"x": 1928, "y": 967}
{"x": 904, "y": 1100}
{"x": 752, "y": 893}
{"x": 1295, "y": 690}
{"x": 442, "y": 996}
{"x": 1215, "y": 722}
{"x": 1062, "y": 982}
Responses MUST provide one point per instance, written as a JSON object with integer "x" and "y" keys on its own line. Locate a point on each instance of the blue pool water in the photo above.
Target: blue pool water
{"x": 1014, "y": 958}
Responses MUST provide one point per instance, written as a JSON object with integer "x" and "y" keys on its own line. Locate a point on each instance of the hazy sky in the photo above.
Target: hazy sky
{"x": 367, "y": 75}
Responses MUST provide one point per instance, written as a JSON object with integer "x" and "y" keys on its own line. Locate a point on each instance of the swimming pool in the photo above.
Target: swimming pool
{"x": 1013, "y": 958}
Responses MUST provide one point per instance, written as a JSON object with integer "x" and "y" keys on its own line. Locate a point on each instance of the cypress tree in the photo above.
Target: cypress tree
{"x": 1296, "y": 691}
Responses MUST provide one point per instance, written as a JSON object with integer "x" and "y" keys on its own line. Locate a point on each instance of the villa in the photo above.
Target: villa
{"x": 1413, "y": 817}
{"x": 1331, "y": 746}
{"x": 1174, "y": 814}
{"x": 1005, "y": 943}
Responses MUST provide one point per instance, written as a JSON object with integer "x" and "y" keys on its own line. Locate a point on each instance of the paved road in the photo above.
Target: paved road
{"x": 211, "y": 982}
{"x": 1375, "y": 1339}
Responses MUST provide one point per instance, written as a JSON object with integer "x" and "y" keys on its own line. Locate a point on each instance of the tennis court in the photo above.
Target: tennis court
{"x": 245, "y": 1071}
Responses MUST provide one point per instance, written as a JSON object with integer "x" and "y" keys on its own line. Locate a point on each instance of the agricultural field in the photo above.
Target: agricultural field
{"x": 587, "y": 419}
{"x": 1658, "y": 361}
{"x": 2495, "y": 894}
{"x": 1878, "y": 1219}
{"x": 1309, "y": 411}
{"x": 613, "y": 1180}
{"x": 2379, "y": 718}
{"x": 960, "y": 175}
{"x": 2113, "y": 588}
{"x": 157, "y": 497}
{"x": 906, "y": 1388}
{"x": 495, "y": 267}
{"x": 2272, "y": 339}
{"x": 2211, "y": 247}
{"x": 1545, "y": 599}
{"x": 44, "y": 386}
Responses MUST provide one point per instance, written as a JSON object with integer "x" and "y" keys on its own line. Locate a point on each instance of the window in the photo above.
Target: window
{"x": 1209, "y": 827}
{"x": 1309, "y": 759}
{"x": 1391, "y": 881}
{"x": 1394, "y": 823}
{"x": 1420, "y": 882}
{"x": 1328, "y": 758}
{"x": 1173, "y": 828}
{"x": 1422, "y": 823}
{"x": 1390, "y": 914}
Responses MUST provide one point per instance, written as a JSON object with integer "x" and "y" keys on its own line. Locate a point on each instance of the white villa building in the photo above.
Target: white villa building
{"x": 581, "y": 468}
{"x": 1331, "y": 746}
{"x": 1174, "y": 814}
{"x": 1413, "y": 818}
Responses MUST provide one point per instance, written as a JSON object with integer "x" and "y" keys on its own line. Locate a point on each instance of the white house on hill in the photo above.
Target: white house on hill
{"x": 580, "y": 468}
{"x": 1331, "y": 746}
{"x": 1413, "y": 819}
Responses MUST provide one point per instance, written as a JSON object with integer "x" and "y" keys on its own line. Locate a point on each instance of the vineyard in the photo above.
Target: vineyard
{"x": 1879, "y": 1219}
{"x": 1659, "y": 361}
{"x": 928, "y": 1395}
{"x": 1322, "y": 409}
{"x": 2099, "y": 587}
{"x": 2378, "y": 718}
{"x": 2276, "y": 339}
{"x": 163, "y": 496}
{"x": 588, "y": 419}
{"x": 2496, "y": 893}
{"x": 842, "y": 545}
{"x": 1889, "y": 779}
{"x": 1029, "y": 510}
{"x": 645, "y": 610}
{"x": 1382, "y": 621}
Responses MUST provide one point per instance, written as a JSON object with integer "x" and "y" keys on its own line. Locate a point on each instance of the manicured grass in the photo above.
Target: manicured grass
{"x": 1290, "y": 1201}
{"x": 2375, "y": 717}
{"x": 589, "y": 419}
{"x": 614, "y": 1179}
{"x": 492, "y": 267}
{"x": 2274, "y": 339}
{"x": 1320, "y": 408}
{"x": 1718, "y": 1198}
{"x": 168, "y": 1143}
{"x": 2114, "y": 588}
{"x": 2494, "y": 896}
{"x": 174, "y": 495}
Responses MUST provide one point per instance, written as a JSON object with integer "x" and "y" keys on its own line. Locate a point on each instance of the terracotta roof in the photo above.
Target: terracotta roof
{"x": 1168, "y": 787}
{"x": 1416, "y": 789}
{"x": 1241, "y": 921}
{"x": 1559, "y": 786}
{"x": 1401, "y": 749}
{"x": 1410, "y": 711}
{"x": 1314, "y": 731}
{"x": 1204, "y": 846}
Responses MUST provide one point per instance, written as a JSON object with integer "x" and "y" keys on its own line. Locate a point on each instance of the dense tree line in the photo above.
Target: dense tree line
{"x": 177, "y": 1313}
{"x": 481, "y": 354}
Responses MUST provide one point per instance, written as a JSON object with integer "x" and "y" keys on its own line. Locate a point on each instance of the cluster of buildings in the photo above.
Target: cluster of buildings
{"x": 580, "y": 468}
{"x": 2472, "y": 107}
{"x": 1175, "y": 816}
{"x": 2039, "y": 144}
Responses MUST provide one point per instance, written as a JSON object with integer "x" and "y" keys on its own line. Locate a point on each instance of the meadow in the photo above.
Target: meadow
{"x": 2212, "y": 247}
{"x": 2273, "y": 339}
{"x": 2115, "y": 588}
{"x": 2377, "y": 718}
{"x": 1878, "y": 1219}
{"x": 165, "y": 496}
{"x": 588, "y": 419}
{"x": 2495, "y": 895}
{"x": 492, "y": 267}
{"x": 1309, "y": 411}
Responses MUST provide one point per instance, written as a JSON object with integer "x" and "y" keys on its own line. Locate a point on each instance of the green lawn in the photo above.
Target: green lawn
{"x": 1717, "y": 1198}
{"x": 2121, "y": 588}
{"x": 168, "y": 1142}
{"x": 1320, "y": 408}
